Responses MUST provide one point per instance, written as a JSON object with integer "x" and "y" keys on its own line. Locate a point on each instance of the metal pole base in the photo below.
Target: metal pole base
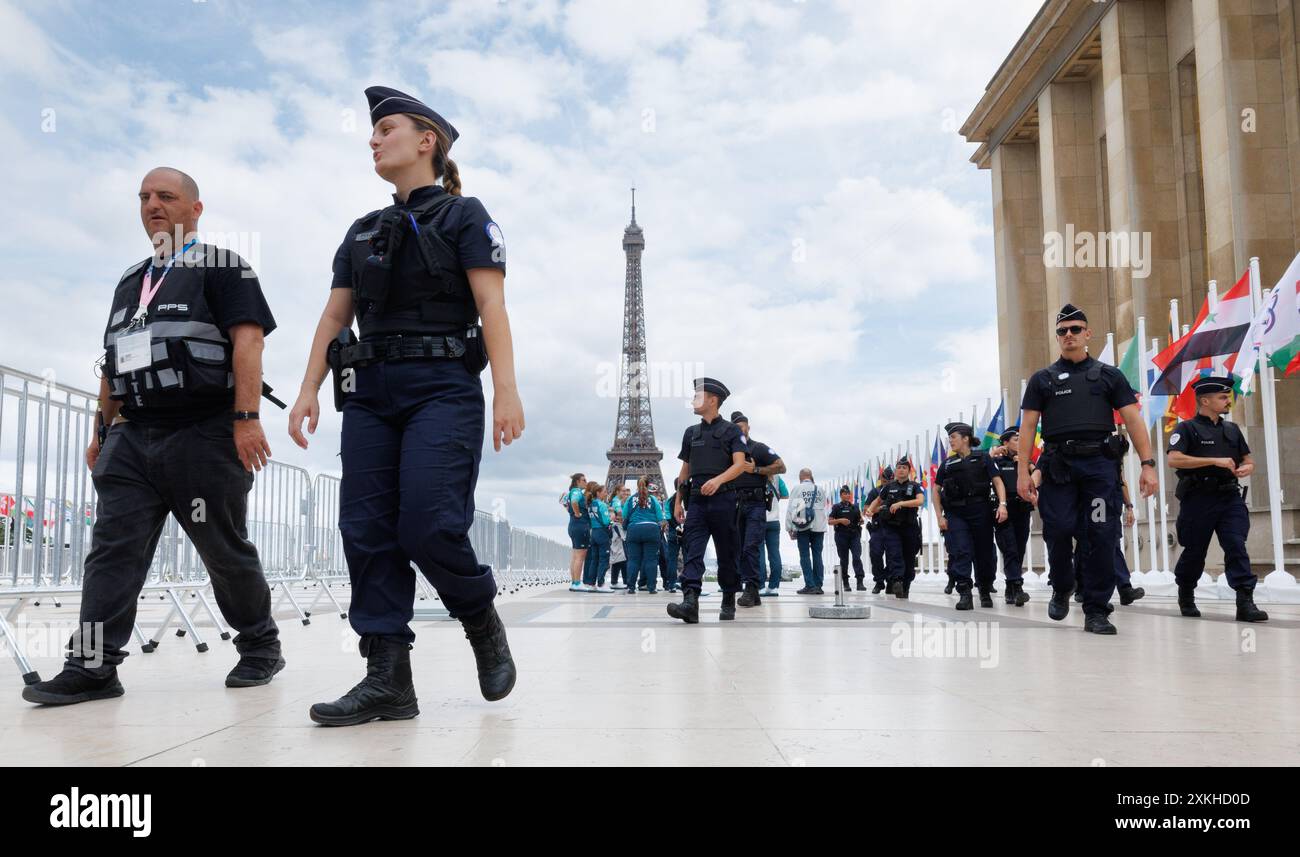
{"x": 848, "y": 611}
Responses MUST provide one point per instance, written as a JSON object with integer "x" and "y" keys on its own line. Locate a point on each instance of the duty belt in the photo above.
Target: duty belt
{"x": 1075, "y": 448}
{"x": 756, "y": 494}
{"x": 399, "y": 347}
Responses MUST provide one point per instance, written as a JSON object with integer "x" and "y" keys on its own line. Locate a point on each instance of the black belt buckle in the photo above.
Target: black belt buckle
{"x": 392, "y": 347}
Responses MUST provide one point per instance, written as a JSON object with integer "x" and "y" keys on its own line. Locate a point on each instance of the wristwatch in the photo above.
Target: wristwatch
{"x": 1148, "y": 462}
{"x": 247, "y": 415}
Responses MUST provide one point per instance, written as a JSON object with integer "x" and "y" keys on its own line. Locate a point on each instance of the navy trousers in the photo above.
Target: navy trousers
{"x": 1206, "y": 514}
{"x": 412, "y": 440}
{"x": 971, "y": 554}
{"x": 1012, "y": 536}
{"x": 711, "y": 517}
{"x": 1081, "y": 509}
{"x": 751, "y": 516}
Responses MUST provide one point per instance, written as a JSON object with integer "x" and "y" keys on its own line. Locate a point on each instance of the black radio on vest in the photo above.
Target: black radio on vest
{"x": 433, "y": 298}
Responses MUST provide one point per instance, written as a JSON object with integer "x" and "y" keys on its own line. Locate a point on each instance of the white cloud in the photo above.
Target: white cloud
{"x": 771, "y": 121}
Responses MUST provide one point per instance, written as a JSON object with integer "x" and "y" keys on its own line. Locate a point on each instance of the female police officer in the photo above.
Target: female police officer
{"x": 418, "y": 275}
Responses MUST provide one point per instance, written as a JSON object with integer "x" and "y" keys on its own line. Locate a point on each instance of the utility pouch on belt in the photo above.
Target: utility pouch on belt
{"x": 334, "y": 357}
{"x": 1058, "y": 470}
{"x": 1114, "y": 447}
{"x": 476, "y": 356}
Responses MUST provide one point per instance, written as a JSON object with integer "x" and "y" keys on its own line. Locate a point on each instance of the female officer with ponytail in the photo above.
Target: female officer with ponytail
{"x": 418, "y": 276}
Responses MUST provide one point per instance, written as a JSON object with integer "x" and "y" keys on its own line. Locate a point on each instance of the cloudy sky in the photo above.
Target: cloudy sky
{"x": 815, "y": 235}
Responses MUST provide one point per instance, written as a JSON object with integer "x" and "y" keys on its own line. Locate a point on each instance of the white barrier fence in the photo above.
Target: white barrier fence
{"x": 47, "y": 519}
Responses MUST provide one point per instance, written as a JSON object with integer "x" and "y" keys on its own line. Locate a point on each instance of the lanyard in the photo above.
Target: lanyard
{"x": 147, "y": 289}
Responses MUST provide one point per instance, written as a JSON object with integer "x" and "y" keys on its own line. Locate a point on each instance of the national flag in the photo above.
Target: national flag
{"x": 995, "y": 428}
{"x": 1281, "y": 340}
{"x": 1217, "y": 333}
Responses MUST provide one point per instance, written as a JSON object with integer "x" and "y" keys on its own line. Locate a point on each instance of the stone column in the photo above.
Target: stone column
{"x": 1018, "y": 249}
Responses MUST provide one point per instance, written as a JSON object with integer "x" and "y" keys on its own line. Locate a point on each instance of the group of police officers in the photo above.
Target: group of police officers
{"x": 985, "y": 499}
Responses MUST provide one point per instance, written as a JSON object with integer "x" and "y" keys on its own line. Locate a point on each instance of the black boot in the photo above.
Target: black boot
{"x": 898, "y": 588}
{"x": 1246, "y": 609}
{"x": 878, "y": 588}
{"x": 1187, "y": 601}
{"x": 727, "y": 611}
{"x": 1098, "y": 623}
{"x": 861, "y": 587}
{"x": 1078, "y": 594}
{"x": 952, "y": 581}
{"x": 986, "y": 598}
{"x": 1059, "y": 607}
{"x": 487, "y": 637}
{"x": 386, "y": 693}
{"x": 689, "y": 610}
{"x": 73, "y": 685}
{"x": 964, "y": 601}
{"x": 1129, "y": 594}
{"x": 750, "y": 596}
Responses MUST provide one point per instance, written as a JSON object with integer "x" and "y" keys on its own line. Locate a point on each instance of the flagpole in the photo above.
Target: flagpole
{"x": 1164, "y": 505}
{"x": 1269, "y": 409}
{"x": 1144, "y": 374}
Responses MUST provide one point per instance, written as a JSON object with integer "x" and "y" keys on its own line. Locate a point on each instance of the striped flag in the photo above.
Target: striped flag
{"x": 1217, "y": 333}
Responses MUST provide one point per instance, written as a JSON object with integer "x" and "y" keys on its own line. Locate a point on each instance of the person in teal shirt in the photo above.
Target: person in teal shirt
{"x": 598, "y": 554}
{"x": 645, "y": 519}
{"x": 579, "y": 529}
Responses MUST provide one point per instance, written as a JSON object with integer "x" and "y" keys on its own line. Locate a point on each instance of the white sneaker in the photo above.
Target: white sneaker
{"x": 603, "y": 588}
{"x": 575, "y": 586}
{"x": 587, "y": 587}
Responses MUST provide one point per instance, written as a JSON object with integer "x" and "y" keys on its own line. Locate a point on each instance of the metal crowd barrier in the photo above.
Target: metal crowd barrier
{"x": 48, "y": 510}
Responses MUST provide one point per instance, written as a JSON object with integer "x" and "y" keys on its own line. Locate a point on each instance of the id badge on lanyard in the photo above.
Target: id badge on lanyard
{"x": 134, "y": 345}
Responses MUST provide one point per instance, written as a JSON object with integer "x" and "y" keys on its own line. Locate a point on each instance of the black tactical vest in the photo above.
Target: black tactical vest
{"x": 191, "y": 356}
{"x": 709, "y": 456}
{"x": 966, "y": 480}
{"x": 1008, "y": 470}
{"x": 898, "y": 492}
{"x": 749, "y": 481}
{"x": 427, "y": 292}
{"x": 1076, "y": 404}
{"x": 1208, "y": 443}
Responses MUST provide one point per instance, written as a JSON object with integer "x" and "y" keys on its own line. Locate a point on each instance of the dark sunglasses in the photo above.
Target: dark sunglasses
{"x": 1076, "y": 329}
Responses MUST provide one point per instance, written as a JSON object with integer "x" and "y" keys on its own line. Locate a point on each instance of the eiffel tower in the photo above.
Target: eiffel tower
{"x": 634, "y": 453}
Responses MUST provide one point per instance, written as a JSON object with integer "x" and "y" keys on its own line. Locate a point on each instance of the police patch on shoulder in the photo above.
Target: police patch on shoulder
{"x": 1173, "y": 438}
{"x": 498, "y": 241}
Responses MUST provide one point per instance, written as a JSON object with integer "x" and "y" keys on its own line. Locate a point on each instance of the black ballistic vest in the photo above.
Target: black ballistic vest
{"x": 1077, "y": 406}
{"x": 709, "y": 456}
{"x": 1008, "y": 470}
{"x": 749, "y": 481}
{"x": 898, "y": 492}
{"x": 191, "y": 356}
{"x": 1221, "y": 441}
{"x": 966, "y": 480}
{"x": 427, "y": 292}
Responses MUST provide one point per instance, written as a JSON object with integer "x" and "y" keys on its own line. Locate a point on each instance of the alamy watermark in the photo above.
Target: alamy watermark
{"x": 1130, "y": 250}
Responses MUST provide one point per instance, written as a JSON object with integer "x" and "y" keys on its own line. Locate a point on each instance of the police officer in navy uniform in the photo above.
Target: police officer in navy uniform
{"x": 1210, "y": 454}
{"x": 753, "y": 499}
{"x": 183, "y": 370}
{"x": 1079, "y": 501}
{"x": 963, "y": 505}
{"x": 846, "y": 518}
{"x": 896, "y": 506}
{"x": 713, "y": 454}
{"x": 418, "y": 275}
{"x": 1012, "y": 535}
{"x": 876, "y": 539}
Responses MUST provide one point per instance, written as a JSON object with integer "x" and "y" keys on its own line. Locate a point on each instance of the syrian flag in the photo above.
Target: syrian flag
{"x": 1208, "y": 345}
